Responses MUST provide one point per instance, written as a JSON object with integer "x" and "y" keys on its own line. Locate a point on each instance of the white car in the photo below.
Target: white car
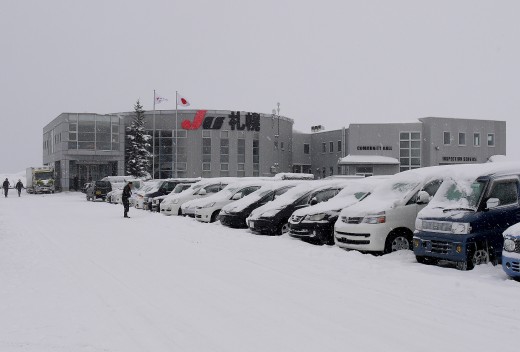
{"x": 385, "y": 221}
{"x": 185, "y": 204}
{"x": 208, "y": 211}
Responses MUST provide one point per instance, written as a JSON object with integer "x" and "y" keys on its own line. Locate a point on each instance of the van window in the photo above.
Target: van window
{"x": 506, "y": 192}
{"x": 432, "y": 187}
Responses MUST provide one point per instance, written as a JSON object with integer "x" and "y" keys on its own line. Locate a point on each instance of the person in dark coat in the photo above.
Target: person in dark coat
{"x": 5, "y": 186}
{"x": 19, "y": 186}
{"x": 127, "y": 192}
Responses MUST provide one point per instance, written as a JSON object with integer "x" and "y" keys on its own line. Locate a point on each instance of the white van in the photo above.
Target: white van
{"x": 385, "y": 220}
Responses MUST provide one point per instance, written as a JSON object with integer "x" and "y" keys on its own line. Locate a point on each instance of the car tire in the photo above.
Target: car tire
{"x": 476, "y": 257}
{"x": 398, "y": 241}
{"x": 283, "y": 228}
{"x": 214, "y": 216}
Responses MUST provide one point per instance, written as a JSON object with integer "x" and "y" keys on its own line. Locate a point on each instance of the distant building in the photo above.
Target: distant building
{"x": 211, "y": 143}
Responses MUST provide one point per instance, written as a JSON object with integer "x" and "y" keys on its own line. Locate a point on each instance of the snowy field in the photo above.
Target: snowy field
{"x": 76, "y": 276}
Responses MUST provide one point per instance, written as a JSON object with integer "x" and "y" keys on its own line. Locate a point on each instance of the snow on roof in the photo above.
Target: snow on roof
{"x": 243, "y": 203}
{"x": 346, "y": 197}
{"x": 293, "y": 194}
{"x": 368, "y": 159}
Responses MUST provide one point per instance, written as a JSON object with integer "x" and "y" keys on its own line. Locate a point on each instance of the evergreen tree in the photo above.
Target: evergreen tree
{"x": 137, "y": 156}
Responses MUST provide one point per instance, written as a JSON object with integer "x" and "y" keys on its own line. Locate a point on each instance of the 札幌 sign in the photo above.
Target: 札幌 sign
{"x": 249, "y": 122}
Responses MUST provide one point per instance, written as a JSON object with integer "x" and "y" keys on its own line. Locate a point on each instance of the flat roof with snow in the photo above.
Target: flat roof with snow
{"x": 368, "y": 159}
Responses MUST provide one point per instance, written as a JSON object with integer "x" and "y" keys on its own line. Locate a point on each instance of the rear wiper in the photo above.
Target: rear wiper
{"x": 459, "y": 208}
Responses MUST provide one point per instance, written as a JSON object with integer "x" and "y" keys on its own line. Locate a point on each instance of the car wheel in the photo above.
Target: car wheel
{"x": 283, "y": 228}
{"x": 477, "y": 257}
{"x": 397, "y": 242}
{"x": 179, "y": 212}
{"x": 214, "y": 216}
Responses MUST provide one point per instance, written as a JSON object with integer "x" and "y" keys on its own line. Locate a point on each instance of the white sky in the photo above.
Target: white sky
{"x": 326, "y": 62}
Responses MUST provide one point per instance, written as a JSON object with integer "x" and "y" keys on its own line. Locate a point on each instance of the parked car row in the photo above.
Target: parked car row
{"x": 453, "y": 214}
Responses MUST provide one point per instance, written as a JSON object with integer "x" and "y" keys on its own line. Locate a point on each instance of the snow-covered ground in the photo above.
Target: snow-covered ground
{"x": 76, "y": 276}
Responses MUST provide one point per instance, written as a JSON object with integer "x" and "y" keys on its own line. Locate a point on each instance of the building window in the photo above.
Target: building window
{"x": 364, "y": 171}
{"x": 447, "y": 138}
{"x": 339, "y": 146}
{"x": 206, "y": 150}
{"x": 206, "y": 134}
{"x": 491, "y": 139}
{"x": 331, "y": 170}
{"x": 339, "y": 170}
{"x": 323, "y": 147}
{"x": 409, "y": 150}
{"x": 462, "y": 138}
{"x": 224, "y": 150}
{"x": 241, "y": 170}
{"x": 276, "y": 145}
{"x": 224, "y": 170}
{"x": 306, "y": 148}
{"x": 476, "y": 139}
{"x": 224, "y": 134}
{"x": 331, "y": 147}
{"x": 206, "y": 169}
{"x": 256, "y": 157}
{"x": 241, "y": 150}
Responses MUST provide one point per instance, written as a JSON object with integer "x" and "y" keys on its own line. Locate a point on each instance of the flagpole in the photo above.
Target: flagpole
{"x": 176, "y": 133}
{"x": 153, "y": 138}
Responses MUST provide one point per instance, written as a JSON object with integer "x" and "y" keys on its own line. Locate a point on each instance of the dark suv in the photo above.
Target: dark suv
{"x": 166, "y": 187}
{"x": 98, "y": 189}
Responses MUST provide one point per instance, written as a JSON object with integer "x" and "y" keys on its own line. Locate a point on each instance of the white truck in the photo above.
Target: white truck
{"x": 40, "y": 179}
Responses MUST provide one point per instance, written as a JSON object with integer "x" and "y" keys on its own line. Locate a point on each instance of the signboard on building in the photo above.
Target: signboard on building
{"x": 248, "y": 122}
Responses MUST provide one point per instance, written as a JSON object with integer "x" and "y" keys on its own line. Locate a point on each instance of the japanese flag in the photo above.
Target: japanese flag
{"x": 182, "y": 101}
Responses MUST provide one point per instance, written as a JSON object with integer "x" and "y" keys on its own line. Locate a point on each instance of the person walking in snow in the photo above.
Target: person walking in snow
{"x": 19, "y": 186}
{"x": 5, "y": 186}
{"x": 127, "y": 192}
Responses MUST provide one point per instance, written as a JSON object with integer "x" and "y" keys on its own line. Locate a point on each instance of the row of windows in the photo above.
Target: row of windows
{"x": 476, "y": 139}
{"x": 409, "y": 150}
{"x": 307, "y": 147}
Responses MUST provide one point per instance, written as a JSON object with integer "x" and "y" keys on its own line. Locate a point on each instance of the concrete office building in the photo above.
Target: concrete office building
{"x": 212, "y": 143}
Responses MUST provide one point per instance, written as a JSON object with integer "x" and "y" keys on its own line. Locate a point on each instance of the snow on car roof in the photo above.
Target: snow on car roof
{"x": 294, "y": 193}
{"x": 243, "y": 203}
{"x": 346, "y": 197}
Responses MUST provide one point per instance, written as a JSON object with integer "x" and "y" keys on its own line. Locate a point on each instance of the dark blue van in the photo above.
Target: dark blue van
{"x": 465, "y": 220}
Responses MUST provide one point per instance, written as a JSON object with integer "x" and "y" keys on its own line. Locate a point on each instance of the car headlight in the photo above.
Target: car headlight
{"x": 460, "y": 228}
{"x": 509, "y": 245}
{"x": 175, "y": 201}
{"x": 379, "y": 218}
{"x": 208, "y": 205}
{"x": 316, "y": 217}
{"x": 418, "y": 224}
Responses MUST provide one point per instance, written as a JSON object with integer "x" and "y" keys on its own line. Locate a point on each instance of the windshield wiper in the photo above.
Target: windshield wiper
{"x": 459, "y": 208}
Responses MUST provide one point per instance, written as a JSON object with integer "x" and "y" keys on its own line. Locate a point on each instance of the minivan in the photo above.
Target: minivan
{"x": 465, "y": 220}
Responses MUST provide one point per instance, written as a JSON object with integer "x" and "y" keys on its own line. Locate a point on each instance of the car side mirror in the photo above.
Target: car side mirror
{"x": 492, "y": 203}
{"x": 423, "y": 197}
{"x": 202, "y": 192}
{"x": 237, "y": 196}
{"x": 314, "y": 201}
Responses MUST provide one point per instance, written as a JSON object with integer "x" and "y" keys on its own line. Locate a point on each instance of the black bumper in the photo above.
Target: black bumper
{"x": 231, "y": 220}
{"x": 311, "y": 230}
{"x": 263, "y": 226}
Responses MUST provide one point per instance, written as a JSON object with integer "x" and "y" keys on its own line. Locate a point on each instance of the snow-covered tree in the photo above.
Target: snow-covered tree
{"x": 137, "y": 156}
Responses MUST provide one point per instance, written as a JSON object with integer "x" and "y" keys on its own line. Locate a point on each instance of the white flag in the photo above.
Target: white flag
{"x": 159, "y": 99}
{"x": 182, "y": 101}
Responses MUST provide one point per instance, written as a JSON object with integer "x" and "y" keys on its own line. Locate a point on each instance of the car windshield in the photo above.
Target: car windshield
{"x": 43, "y": 175}
{"x": 102, "y": 183}
{"x": 458, "y": 194}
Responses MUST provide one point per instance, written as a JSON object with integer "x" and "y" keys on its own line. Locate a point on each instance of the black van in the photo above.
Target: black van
{"x": 98, "y": 189}
{"x": 464, "y": 221}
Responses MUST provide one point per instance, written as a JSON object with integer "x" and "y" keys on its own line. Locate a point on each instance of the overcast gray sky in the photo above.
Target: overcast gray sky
{"x": 326, "y": 62}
